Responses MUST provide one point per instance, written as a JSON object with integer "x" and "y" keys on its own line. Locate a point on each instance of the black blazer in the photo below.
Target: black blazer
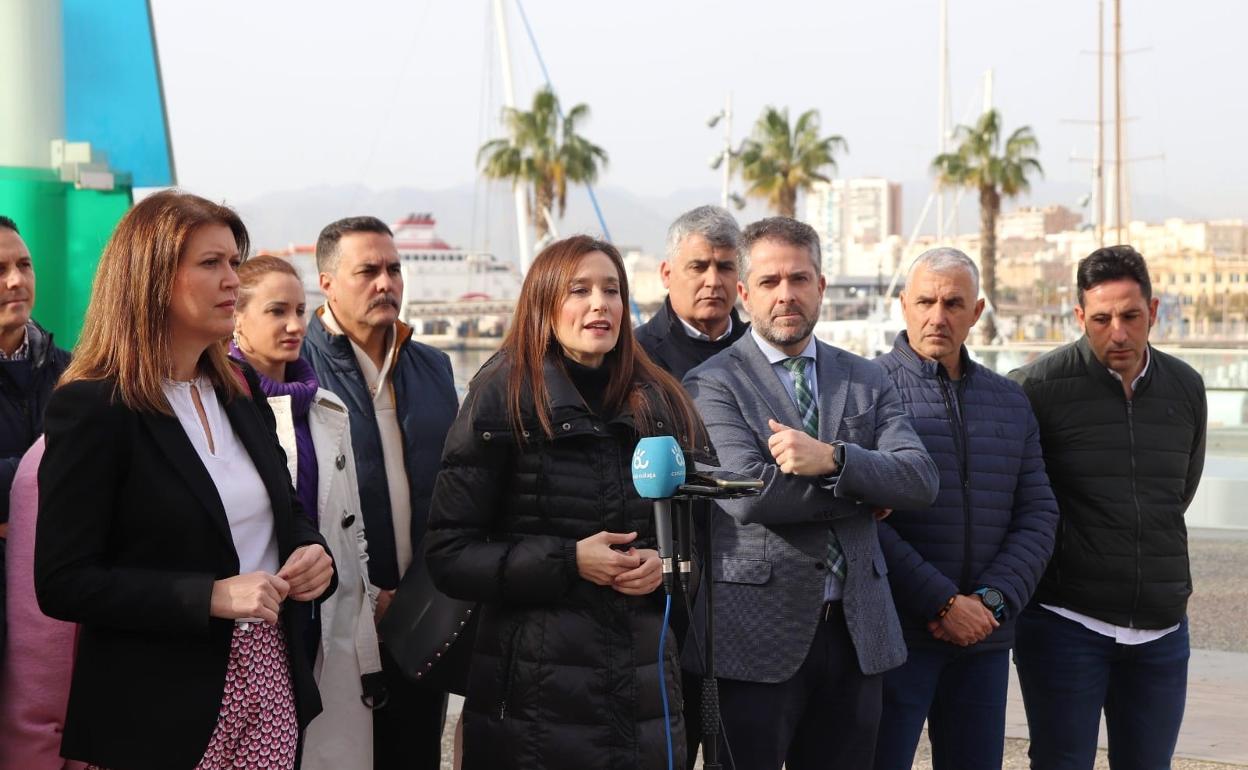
{"x": 130, "y": 537}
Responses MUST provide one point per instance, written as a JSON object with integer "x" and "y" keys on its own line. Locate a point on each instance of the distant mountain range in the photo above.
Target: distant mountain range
{"x": 482, "y": 216}
{"x": 472, "y": 217}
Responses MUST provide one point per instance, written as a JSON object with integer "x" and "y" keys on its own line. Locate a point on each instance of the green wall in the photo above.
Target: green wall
{"x": 65, "y": 229}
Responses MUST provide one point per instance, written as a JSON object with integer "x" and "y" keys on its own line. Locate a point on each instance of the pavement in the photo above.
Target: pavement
{"x": 1215, "y": 724}
{"x": 1214, "y": 735}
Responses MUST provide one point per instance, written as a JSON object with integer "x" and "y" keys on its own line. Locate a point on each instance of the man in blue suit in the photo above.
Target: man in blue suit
{"x": 804, "y": 624}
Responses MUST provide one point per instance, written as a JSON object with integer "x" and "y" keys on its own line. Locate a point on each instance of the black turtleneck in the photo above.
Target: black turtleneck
{"x": 591, "y": 383}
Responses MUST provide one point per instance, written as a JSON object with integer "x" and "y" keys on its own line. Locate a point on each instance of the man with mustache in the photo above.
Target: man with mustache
{"x": 805, "y": 624}
{"x": 1122, "y": 425}
{"x": 29, "y": 368}
{"x": 698, "y": 318}
{"x": 401, "y": 398}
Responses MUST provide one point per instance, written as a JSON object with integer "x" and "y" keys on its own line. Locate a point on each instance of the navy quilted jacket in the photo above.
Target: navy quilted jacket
{"x": 994, "y": 519}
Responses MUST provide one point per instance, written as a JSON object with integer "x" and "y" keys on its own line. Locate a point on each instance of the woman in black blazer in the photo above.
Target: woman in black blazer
{"x": 167, "y": 525}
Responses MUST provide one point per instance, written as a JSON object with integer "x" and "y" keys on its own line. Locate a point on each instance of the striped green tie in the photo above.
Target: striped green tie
{"x": 808, "y": 408}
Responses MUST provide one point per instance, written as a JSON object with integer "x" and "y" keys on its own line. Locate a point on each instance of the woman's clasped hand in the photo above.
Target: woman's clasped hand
{"x": 253, "y": 595}
{"x": 309, "y": 571}
{"x": 304, "y": 577}
{"x": 635, "y": 572}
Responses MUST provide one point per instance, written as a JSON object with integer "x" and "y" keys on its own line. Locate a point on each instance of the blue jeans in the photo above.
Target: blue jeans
{"x": 961, "y": 694}
{"x": 1068, "y": 674}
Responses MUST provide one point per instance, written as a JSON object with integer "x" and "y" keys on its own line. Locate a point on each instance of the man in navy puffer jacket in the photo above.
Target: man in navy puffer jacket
{"x": 963, "y": 569}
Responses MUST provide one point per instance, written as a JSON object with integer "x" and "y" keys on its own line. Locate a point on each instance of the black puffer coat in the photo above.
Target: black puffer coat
{"x": 565, "y": 672}
{"x": 1124, "y": 473}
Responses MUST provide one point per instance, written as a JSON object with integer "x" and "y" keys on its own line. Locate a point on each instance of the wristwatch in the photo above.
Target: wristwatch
{"x": 993, "y": 600}
{"x": 838, "y": 455}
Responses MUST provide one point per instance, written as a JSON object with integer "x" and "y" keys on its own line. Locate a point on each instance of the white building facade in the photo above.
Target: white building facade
{"x": 859, "y": 225}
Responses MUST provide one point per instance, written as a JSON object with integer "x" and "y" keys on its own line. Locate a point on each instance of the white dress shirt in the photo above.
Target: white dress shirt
{"x": 698, "y": 334}
{"x": 832, "y": 588}
{"x": 243, "y": 494}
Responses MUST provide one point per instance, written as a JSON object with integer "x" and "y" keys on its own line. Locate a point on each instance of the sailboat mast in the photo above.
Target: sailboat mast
{"x": 943, "y": 118}
{"x": 727, "y": 157}
{"x": 509, "y": 99}
{"x": 1098, "y": 165}
{"x": 1120, "y": 197}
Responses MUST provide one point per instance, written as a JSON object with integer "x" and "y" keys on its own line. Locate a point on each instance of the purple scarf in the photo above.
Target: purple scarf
{"x": 301, "y": 385}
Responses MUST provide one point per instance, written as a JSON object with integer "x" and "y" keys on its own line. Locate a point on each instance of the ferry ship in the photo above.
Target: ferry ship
{"x": 434, "y": 272}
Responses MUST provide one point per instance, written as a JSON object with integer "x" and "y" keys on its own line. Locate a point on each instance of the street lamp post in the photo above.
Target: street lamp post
{"x": 724, "y": 158}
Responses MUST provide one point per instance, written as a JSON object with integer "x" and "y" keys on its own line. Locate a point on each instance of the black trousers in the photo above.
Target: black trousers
{"x": 825, "y": 716}
{"x": 407, "y": 731}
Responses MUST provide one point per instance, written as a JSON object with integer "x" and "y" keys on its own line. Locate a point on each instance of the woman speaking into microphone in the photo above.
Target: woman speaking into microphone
{"x": 535, "y": 516}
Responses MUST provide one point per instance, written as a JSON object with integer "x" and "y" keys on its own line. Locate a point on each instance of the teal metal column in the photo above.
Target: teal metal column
{"x": 82, "y": 71}
{"x": 65, "y": 229}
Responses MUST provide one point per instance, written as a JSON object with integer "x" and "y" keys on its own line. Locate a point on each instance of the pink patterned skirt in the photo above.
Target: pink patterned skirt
{"x": 257, "y": 726}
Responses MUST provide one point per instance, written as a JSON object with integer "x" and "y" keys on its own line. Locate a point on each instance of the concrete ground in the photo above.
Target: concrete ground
{"x": 1016, "y": 759}
{"x": 1215, "y": 725}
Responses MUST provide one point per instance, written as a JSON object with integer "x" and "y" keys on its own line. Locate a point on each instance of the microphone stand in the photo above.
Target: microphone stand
{"x": 691, "y": 498}
{"x": 710, "y": 685}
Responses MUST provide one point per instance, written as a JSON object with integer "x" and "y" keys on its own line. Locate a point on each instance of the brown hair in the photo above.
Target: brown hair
{"x": 125, "y": 334}
{"x": 785, "y": 230}
{"x": 532, "y": 338}
{"x": 251, "y": 272}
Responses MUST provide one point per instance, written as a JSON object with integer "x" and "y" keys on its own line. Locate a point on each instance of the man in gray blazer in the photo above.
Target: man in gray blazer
{"x": 804, "y": 623}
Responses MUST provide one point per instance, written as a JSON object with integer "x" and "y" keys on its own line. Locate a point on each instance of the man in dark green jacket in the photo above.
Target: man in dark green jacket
{"x": 1123, "y": 430}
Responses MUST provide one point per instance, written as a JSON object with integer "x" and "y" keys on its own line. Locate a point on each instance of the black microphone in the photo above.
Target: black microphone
{"x": 658, "y": 471}
{"x": 684, "y": 543}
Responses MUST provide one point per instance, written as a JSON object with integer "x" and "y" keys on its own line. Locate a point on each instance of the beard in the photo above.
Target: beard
{"x": 782, "y": 336}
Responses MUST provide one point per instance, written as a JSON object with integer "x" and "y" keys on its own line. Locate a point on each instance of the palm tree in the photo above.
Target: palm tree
{"x": 980, "y": 164}
{"x": 777, "y": 161}
{"x": 543, "y": 152}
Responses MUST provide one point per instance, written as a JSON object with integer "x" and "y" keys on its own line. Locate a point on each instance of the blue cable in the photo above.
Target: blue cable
{"x": 667, "y": 715}
{"x": 602, "y": 222}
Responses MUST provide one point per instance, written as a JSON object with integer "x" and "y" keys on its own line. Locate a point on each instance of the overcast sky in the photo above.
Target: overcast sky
{"x": 269, "y": 95}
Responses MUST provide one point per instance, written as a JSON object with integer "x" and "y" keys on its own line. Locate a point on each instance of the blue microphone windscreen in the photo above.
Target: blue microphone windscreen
{"x": 658, "y": 467}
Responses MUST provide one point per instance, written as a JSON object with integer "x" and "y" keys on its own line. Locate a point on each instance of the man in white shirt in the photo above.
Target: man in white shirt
{"x": 805, "y": 623}
{"x": 1123, "y": 430}
{"x": 698, "y": 318}
{"x": 401, "y": 398}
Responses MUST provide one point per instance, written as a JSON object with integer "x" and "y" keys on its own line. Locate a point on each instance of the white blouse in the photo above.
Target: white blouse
{"x": 242, "y": 491}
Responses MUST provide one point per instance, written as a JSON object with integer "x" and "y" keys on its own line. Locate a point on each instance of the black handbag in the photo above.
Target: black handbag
{"x": 429, "y": 634}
